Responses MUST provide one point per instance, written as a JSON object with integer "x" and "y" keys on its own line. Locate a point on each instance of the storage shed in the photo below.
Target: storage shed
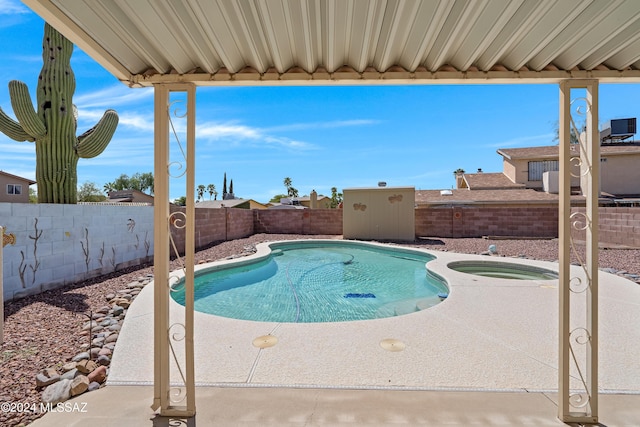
{"x": 382, "y": 213}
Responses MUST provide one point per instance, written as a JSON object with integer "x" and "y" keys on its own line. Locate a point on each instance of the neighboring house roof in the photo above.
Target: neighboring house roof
{"x": 126, "y": 196}
{"x": 308, "y": 198}
{"x": 229, "y": 203}
{"x": 8, "y": 175}
{"x": 465, "y": 196}
{"x": 553, "y": 151}
{"x": 285, "y": 206}
{"x": 485, "y": 181}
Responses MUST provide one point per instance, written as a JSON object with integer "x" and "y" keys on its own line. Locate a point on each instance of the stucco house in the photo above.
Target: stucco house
{"x": 537, "y": 167}
{"x": 13, "y": 188}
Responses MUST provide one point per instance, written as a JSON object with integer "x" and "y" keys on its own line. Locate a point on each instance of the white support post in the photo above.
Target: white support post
{"x": 163, "y": 345}
{"x": 578, "y": 343}
{"x": 161, "y": 249}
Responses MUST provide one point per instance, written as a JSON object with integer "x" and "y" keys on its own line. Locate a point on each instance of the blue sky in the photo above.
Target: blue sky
{"x": 320, "y": 137}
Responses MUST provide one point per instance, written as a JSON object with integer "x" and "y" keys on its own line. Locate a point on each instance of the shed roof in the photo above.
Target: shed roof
{"x": 222, "y": 42}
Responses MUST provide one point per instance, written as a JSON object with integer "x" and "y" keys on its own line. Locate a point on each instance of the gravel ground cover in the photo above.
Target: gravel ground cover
{"x": 44, "y": 330}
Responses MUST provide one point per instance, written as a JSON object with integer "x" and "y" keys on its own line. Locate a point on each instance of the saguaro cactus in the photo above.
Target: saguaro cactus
{"x": 53, "y": 126}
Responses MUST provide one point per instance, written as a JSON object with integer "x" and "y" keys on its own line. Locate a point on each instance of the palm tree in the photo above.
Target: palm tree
{"x": 200, "y": 191}
{"x": 291, "y": 192}
{"x": 211, "y": 189}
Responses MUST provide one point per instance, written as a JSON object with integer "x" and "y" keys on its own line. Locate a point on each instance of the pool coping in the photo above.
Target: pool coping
{"x": 490, "y": 334}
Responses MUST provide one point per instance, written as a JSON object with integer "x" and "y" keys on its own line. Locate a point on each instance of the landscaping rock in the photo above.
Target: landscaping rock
{"x": 57, "y": 392}
{"x": 79, "y": 385}
{"x": 47, "y": 377}
{"x": 69, "y": 366}
{"x": 69, "y": 375}
{"x": 111, "y": 338}
{"x": 104, "y": 360}
{"x": 80, "y": 356}
{"x": 86, "y": 366}
{"x": 93, "y": 386}
{"x": 92, "y": 324}
{"x": 104, "y": 309}
{"x": 104, "y": 351}
{"x": 124, "y": 303}
{"x": 98, "y": 375}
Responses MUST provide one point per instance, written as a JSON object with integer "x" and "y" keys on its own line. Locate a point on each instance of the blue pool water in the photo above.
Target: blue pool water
{"x": 315, "y": 282}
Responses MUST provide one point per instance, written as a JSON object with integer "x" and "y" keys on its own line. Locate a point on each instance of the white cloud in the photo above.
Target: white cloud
{"x": 89, "y": 117}
{"x": 324, "y": 125}
{"x": 114, "y": 96}
{"x": 239, "y": 133}
{"x": 217, "y": 131}
{"x": 12, "y": 7}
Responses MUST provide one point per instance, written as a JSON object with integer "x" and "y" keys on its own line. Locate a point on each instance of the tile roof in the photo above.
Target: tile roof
{"x": 485, "y": 181}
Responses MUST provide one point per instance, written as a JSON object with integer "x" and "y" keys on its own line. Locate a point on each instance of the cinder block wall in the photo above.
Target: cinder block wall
{"x": 618, "y": 226}
{"x": 324, "y": 221}
{"x": 466, "y": 221}
{"x": 214, "y": 225}
{"x": 298, "y": 221}
{"x": 61, "y": 244}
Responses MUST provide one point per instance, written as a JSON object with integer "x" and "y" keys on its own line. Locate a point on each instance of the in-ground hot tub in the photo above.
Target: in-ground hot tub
{"x": 503, "y": 270}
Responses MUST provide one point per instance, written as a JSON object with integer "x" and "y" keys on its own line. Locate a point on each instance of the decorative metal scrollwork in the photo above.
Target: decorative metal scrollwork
{"x": 577, "y": 285}
{"x": 580, "y": 336}
{"x": 579, "y": 224}
{"x": 579, "y": 400}
{"x": 177, "y": 394}
{"x": 177, "y": 335}
{"x": 178, "y": 219}
{"x": 577, "y": 162}
{"x": 176, "y": 284}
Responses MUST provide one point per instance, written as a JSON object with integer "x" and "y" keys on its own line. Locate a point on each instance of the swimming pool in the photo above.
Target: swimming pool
{"x": 313, "y": 281}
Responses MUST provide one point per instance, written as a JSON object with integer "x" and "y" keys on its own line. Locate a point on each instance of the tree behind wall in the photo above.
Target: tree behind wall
{"x": 224, "y": 187}
{"x": 53, "y": 126}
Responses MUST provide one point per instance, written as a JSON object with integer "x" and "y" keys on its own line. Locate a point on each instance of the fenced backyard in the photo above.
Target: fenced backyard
{"x": 57, "y": 245}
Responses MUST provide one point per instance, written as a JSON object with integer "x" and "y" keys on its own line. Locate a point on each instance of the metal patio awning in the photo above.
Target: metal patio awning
{"x": 223, "y": 42}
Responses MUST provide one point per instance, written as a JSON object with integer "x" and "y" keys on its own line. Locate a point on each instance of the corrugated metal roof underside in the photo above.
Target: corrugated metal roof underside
{"x": 293, "y": 41}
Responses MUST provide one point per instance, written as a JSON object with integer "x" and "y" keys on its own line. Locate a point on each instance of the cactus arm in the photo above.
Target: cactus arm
{"x": 95, "y": 140}
{"x": 23, "y": 109}
{"x": 12, "y": 129}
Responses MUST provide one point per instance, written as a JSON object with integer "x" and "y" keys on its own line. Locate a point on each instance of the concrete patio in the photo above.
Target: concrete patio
{"x": 487, "y": 356}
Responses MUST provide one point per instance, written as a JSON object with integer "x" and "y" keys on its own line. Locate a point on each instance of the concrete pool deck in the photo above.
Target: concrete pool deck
{"x": 492, "y": 340}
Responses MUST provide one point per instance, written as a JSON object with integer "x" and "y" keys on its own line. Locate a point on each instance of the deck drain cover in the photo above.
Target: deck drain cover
{"x": 391, "y": 344}
{"x": 265, "y": 341}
